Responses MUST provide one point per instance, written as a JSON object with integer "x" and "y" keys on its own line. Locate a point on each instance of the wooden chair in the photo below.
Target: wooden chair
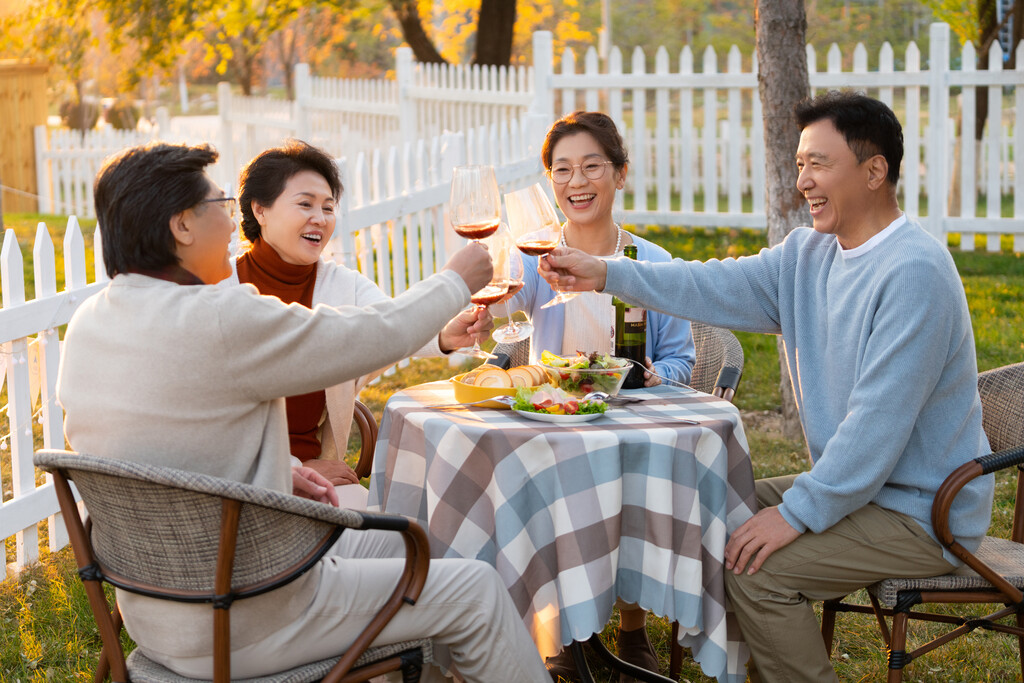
{"x": 994, "y": 574}
{"x": 367, "y": 425}
{"x": 717, "y": 371}
{"x": 189, "y": 537}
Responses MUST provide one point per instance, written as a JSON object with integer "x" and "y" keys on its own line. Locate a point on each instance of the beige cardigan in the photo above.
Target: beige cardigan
{"x": 193, "y": 377}
{"x": 338, "y": 285}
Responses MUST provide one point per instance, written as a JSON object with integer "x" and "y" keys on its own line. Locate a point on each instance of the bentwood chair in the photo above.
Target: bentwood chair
{"x": 367, "y": 425}
{"x": 993, "y": 574}
{"x": 189, "y": 537}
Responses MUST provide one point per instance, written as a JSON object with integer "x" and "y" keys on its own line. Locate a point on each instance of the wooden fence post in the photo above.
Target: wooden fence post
{"x": 300, "y": 107}
{"x": 539, "y": 117}
{"x": 43, "y": 184}
{"x": 19, "y": 408}
{"x": 405, "y": 73}
{"x": 226, "y": 146}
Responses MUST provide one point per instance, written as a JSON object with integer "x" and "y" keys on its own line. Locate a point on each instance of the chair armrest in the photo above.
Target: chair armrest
{"x": 948, "y": 491}
{"x": 407, "y": 590}
{"x": 727, "y": 382}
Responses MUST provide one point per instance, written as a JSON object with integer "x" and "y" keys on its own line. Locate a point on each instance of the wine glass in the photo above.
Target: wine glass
{"x": 475, "y": 202}
{"x": 511, "y": 331}
{"x": 494, "y": 291}
{"x": 535, "y": 225}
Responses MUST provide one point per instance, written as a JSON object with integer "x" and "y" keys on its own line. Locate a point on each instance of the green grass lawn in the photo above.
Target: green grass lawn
{"x": 46, "y": 633}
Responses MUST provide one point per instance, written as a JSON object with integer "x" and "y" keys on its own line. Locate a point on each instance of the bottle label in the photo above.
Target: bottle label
{"x": 635, "y": 319}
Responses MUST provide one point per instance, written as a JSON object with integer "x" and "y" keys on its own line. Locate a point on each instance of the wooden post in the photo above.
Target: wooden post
{"x": 22, "y": 107}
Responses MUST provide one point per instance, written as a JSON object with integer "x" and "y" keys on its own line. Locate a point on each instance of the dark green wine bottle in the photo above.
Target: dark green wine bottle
{"x": 631, "y": 334}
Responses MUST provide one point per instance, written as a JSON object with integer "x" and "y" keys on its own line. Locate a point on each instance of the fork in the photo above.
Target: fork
{"x": 507, "y": 400}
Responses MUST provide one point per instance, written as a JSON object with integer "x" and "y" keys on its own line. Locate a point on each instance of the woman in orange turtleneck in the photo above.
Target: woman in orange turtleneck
{"x": 287, "y": 196}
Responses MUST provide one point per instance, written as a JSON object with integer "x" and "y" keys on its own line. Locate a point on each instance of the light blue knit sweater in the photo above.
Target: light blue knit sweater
{"x": 881, "y": 352}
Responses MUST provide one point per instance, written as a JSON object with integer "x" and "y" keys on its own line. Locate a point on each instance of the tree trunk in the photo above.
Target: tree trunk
{"x": 782, "y": 82}
{"x": 494, "y": 31}
{"x": 412, "y": 30}
{"x": 287, "y": 48}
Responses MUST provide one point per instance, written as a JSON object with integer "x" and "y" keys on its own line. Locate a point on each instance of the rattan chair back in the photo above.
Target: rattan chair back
{"x": 719, "y": 363}
{"x": 992, "y": 574}
{"x": 190, "y": 537}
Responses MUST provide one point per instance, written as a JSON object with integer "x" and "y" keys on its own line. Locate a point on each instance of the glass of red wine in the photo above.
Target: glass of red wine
{"x": 511, "y": 331}
{"x": 533, "y": 221}
{"x": 494, "y": 291}
{"x": 475, "y": 202}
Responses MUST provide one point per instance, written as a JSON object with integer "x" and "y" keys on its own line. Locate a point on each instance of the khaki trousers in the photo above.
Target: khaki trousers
{"x": 464, "y": 607}
{"x": 773, "y": 606}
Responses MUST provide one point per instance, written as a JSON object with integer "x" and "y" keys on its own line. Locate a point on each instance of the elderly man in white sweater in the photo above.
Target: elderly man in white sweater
{"x": 160, "y": 368}
{"x": 881, "y": 355}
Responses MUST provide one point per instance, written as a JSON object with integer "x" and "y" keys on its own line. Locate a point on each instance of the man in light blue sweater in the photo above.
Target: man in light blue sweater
{"x": 881, "y": 355}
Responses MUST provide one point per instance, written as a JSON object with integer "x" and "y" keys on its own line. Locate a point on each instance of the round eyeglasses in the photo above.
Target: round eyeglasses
{"x": 562, "y": 173}
{"x": 230, "y": 203}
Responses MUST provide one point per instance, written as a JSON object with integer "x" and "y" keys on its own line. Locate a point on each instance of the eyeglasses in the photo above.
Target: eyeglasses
{"x": 592, "y": 170}
{"x": 231, "y": 205}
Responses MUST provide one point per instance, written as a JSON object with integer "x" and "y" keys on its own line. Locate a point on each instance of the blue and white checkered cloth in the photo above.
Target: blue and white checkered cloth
{"x": 632, "y": 505}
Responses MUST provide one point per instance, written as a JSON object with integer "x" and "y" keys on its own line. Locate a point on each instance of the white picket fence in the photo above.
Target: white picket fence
{"x": 392, "y": 227}
{"x": 697, "y": 153}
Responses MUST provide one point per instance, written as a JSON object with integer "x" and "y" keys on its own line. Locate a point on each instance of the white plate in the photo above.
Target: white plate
{"x": 562, "y": 419}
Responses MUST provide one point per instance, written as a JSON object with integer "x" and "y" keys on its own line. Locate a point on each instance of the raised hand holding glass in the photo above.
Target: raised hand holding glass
{"x": 533, "y": 221}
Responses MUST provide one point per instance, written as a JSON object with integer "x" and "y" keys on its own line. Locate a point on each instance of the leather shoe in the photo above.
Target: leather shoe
{"x": 562, "y": 668}
{"x": 635, "y": 648}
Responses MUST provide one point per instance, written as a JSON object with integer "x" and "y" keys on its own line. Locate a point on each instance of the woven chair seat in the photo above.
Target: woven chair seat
{"x": 1003, "y": 555}
{"x": 145, "y": 670}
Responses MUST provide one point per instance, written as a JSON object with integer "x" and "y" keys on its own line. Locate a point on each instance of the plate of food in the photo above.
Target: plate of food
{"x": 550, "y": 404}
{"x": 488, "y": 382}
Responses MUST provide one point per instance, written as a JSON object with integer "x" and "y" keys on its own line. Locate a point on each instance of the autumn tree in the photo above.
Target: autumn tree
{"x": 782, "y": 81}
{"x": 59, "y": 33}
{"x": 495, "y": 27}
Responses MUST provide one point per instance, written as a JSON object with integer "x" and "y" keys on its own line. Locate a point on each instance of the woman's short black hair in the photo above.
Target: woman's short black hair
{"x": 868, "y": 125}
{"x": 599, "y": 126}
{"x": 263, "y": 180}
{"x": 137, "y": 192}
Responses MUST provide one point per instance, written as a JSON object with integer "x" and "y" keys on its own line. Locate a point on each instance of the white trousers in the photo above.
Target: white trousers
{"x": 464, "y": 607}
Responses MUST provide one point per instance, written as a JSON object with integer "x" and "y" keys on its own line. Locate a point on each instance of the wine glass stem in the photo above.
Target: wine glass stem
{"x": 512, "y": 326}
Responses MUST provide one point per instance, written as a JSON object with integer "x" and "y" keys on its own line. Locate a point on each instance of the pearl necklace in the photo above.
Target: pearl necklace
{"x": 618, "y": 238}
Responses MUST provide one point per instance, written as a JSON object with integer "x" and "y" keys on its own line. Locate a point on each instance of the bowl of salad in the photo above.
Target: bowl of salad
{"x": 586, "y": 372}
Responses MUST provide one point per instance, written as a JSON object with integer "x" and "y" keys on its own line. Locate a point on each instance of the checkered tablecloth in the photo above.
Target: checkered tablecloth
{"x": 632, "y": 505}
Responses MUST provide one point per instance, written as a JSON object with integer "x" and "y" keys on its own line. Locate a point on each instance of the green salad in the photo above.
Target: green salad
{"x": 555, "y": 402}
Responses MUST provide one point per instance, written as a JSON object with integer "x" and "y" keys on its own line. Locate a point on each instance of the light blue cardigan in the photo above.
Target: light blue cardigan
{"x": 669, "y": 342}
{"x": 881, "y": 353}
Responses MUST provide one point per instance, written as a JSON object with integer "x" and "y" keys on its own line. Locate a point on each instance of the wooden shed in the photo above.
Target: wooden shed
{"x": 22, "y": 107}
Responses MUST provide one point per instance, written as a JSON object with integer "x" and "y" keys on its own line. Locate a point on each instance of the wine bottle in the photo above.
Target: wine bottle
{"x": 631, "y": 334}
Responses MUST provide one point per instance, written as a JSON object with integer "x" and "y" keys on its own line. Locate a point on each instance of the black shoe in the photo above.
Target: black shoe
{"x": 635, "y": 648}
{"x": 562, "y": 667}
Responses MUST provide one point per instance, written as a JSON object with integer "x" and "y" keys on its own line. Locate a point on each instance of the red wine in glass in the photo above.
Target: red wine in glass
{"x": 513, "y": 288}
{"x": 477, "y": 231}
{"x": 537, "y": 247}
{"x": 491, "y": 294}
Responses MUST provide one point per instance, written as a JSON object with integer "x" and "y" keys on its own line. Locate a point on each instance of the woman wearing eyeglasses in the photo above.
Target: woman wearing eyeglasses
{"x": 287, "y": 197}
{"x": 587, "y": 162}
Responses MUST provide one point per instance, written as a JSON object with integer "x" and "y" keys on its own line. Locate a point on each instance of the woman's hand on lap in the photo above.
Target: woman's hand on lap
{"x": 308, "y": 483}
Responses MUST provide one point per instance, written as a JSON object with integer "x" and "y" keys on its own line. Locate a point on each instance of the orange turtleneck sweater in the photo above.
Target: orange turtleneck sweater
{"x": 272, "y": 276}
